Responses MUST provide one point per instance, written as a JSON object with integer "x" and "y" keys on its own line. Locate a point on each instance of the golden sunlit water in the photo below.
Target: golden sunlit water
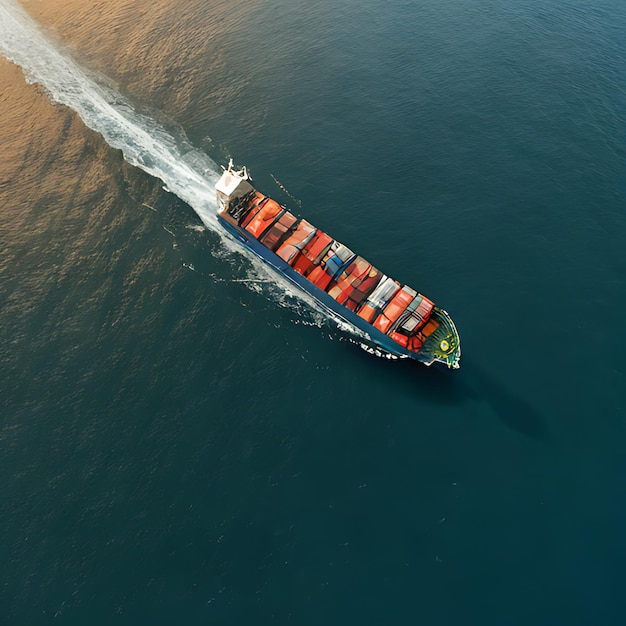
{"x": 182, "y": 441}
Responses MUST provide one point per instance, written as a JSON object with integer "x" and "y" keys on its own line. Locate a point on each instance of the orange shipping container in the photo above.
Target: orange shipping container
{"x": 430, "y": 328}
{"x": 368, "y": 313}
{"x": 263, "y": 218}
{"x": 288, "y": 252}
{"x": 382, "y": 323}
{"x": 297, "y": 238}
{"x": 398, "y": 304}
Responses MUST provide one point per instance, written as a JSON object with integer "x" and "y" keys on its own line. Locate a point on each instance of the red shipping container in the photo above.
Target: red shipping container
{"x": 319, "y": 277}
{"x": 403, "y": 340}
{"x": 257, "y": 205}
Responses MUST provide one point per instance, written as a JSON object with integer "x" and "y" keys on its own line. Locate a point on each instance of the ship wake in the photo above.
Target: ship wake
{"x": 185, "y": 171}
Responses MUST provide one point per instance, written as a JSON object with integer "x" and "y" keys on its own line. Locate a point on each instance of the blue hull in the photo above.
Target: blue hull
{"x": 376, "y": 337}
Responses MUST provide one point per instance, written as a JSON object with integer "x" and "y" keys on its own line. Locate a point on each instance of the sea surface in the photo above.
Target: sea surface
{"x": 185, "y": 441}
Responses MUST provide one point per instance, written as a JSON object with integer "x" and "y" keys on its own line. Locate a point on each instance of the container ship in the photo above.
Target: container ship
{"x": 397, "y": 321}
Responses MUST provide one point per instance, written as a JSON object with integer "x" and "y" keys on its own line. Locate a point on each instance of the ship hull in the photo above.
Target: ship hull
{"x": 374, "y": 337}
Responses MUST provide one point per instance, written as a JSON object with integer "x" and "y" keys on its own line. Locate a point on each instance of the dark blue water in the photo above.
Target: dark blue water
{"x": 183, "y": 443}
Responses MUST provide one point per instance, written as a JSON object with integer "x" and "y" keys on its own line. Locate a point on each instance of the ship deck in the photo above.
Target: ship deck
{"x": 394, "y": 317}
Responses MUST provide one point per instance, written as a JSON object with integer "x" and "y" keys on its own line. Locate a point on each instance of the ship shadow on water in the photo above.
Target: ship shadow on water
{"x": 513, "y": 410}
{"x": 469, "y": 384}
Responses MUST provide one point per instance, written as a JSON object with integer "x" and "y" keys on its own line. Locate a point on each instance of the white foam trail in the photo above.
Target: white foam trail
{"x": 186, "y": 171}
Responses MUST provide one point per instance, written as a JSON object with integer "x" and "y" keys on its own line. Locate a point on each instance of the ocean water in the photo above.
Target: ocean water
{"x": 183, "y": 441}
